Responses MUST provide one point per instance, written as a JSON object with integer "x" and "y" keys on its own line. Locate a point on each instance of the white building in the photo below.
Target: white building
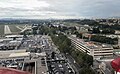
{"x": 97, "y": 50}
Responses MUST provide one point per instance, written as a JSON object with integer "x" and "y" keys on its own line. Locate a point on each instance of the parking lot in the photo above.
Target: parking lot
{"x": 58, "y": 64}
{"x": 33, "y": 49}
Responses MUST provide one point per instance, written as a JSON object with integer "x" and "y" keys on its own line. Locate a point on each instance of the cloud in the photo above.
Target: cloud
{"x": 25, "y": 4}
{"x": 24, "y": 8}
{"x": 58, "y": 8}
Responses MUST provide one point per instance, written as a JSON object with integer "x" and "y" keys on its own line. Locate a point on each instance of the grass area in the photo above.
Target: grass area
{"x": 1, "y": 29}
{"x": 21, "y": 26}
{"x": 14, "y": 29}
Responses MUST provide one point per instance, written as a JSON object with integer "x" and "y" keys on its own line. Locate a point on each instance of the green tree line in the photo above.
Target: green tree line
{"x": 104, "y": 39}
{"x": 83, "y": 59}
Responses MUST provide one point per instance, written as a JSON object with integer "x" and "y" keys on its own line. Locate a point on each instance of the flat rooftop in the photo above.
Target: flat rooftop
{"x": 14, "y": 36}
{"x": 92, "y": 44}
{"x": 13, "y": 53}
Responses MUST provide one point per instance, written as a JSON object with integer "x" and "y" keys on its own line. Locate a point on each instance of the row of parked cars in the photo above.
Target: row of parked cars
{"x": 11, "y": 63}
{"x": 60, "y": 68}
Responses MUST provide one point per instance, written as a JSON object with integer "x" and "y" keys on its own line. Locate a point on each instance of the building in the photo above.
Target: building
{"x": 97, "y": 50}
{"x": 14, "y": 54}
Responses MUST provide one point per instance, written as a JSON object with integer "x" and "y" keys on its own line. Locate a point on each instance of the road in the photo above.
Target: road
{"x": 40, "y": 68}
{"x": 7, "y": 30}
{"x": 73, "y": 64}
{"x": 19, "y": 28}
{"x": 58, "y": 67}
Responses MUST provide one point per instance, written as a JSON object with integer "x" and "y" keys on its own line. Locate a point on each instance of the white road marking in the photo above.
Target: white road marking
{"x": 19, "y": 28}
{"x": 7, "y": 30}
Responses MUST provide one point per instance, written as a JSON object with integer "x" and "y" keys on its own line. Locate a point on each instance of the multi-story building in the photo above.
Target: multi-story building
{"x": 97, "y": 50}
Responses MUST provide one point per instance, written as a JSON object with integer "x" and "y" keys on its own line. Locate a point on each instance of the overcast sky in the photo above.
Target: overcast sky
{"x": 59, "y": 8}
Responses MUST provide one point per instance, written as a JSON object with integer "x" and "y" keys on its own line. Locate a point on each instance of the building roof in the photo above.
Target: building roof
{"x": 2, "y": 45}
{"x": 13, "y": 51}
{"x": 15, "y": 41}
{"x": 19, "y": 54}
{"x": 6, "y": 54}
{"x": 6, "y": 39}
{"x": 14, "y": 36}
{"x": 41, "y": 54}
{"x": 11, "y": 71}
{"x": 91, "y": 44}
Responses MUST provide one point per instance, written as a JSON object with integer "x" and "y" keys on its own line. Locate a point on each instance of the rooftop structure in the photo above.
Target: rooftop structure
{"x": 14, "y": 36}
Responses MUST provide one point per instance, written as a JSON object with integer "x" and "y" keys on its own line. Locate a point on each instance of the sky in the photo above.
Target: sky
{"x": 36, "y": 9}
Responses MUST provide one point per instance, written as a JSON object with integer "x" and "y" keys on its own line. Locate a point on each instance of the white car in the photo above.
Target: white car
{"x": 52, "y": 66}
{"x": 57, "y": 58}
{"x": 74, "y": 61}
{"x": 59, "y": 65}
{"x": 70, "y": 71}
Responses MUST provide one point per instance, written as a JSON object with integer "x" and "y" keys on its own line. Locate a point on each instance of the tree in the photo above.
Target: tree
{"x": 108, "y": 31}
{"x": 96, "y": 30}
{"x": 53, "y": 55}
{"x": 78, "y": 34}
{"x": 104, "y": 39}
{"x": 86, "y": 70}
